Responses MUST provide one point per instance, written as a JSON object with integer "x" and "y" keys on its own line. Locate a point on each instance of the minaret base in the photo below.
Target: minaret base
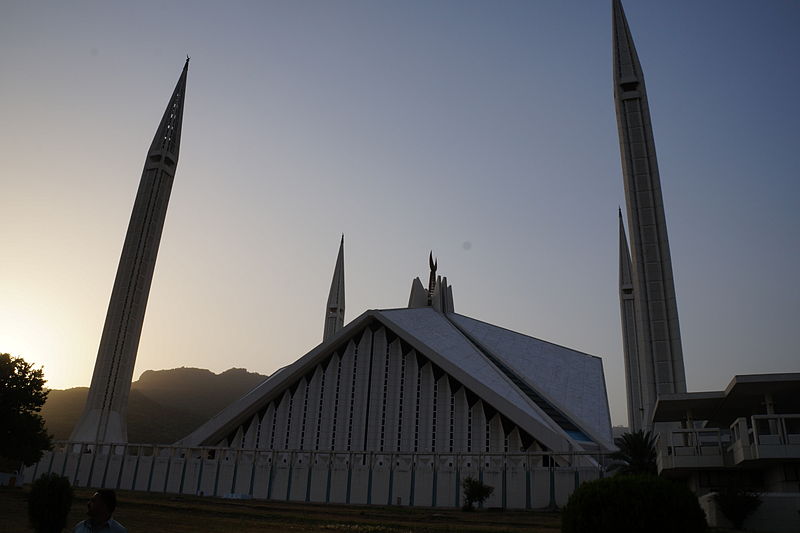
{"x": 86, "y": 430}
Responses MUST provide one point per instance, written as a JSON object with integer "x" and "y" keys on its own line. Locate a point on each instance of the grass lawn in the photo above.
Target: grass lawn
{"x": 156, "y": 513}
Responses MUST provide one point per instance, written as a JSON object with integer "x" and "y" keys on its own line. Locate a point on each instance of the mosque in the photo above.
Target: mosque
{"x": 398, "y": 406}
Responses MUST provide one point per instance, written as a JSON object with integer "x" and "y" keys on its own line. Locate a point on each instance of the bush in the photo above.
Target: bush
{"x": 635, "y": 504}
{"x": 737, "y": 504}
{"x": 49, "y": 503}
{"x": 475, "y": 492}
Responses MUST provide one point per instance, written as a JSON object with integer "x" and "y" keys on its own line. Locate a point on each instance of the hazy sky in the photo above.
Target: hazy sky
{"x": 482, "y": 130}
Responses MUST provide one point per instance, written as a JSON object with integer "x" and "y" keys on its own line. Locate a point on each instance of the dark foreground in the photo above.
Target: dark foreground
{"x": 158, "y": 513}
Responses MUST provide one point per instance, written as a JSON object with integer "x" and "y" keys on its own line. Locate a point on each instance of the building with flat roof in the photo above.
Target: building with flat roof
{"x": 746, "y": 436}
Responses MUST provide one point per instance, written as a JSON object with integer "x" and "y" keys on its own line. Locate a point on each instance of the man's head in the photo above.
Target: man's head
{"x": 101, "y": 505}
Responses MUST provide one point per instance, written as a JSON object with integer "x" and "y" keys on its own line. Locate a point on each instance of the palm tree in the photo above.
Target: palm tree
{"x": 636, "y": 454}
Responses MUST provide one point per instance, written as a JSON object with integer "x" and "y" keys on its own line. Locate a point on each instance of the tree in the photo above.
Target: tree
{"x": 636, "y": 454}
{"x": 633, "y": 504}
{"x": 49, "y": 503}
{"x": 475, "y": 492}
{"x": 22, "y": 433}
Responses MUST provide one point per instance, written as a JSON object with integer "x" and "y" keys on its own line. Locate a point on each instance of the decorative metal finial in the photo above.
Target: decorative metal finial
{"x": 432, "y": 279}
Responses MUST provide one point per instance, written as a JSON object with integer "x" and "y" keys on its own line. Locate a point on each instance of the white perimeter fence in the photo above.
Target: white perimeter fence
{"x": 520, "y": 480}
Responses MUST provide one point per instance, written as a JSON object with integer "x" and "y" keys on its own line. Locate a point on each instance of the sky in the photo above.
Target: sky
{"x": 484, "y": 131}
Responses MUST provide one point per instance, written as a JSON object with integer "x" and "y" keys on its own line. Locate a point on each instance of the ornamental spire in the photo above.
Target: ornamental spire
{"x": 334, "y": 312}
{"x": 432, "y": 278}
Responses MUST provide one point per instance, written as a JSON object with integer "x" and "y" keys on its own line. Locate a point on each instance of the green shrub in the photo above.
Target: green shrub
{"x": 636, "y": 454}
{"x": 49, "y": 503}
{"x": 737, "y": 504}
{"x": 475, "y": 492}
{"x": 634, "y": 504}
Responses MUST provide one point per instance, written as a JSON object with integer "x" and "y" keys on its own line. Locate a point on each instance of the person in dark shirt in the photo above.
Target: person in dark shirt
{"x": 100, "y": 508}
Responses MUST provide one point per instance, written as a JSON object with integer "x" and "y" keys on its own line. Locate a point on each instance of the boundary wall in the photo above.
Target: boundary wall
{"x": 532, "y": 480}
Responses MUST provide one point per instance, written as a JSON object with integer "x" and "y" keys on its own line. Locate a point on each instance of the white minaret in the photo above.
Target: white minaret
{"x": 334, "y": 312}
{"x": 657, "y": 329}
{"x": 104, "y": 417}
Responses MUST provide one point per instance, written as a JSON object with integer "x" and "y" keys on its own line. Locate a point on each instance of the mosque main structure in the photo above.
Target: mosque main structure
{"x": 398, "y": 405}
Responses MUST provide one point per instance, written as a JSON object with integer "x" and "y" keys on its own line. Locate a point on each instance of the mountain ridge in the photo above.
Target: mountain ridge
{"x": 164, "y": 405}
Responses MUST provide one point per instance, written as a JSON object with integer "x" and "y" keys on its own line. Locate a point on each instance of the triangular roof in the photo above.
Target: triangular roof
{"x": 438, "y": 338}
{"x": 570, "y": 381}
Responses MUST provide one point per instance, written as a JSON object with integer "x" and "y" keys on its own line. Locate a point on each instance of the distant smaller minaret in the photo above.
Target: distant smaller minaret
{"x": 334, "y": 312}
{"x": 630, "y": 346}
{"x": 432, "y": 279}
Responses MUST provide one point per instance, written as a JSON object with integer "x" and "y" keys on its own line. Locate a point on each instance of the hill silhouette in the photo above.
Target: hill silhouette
{"x": 164, "y": 405}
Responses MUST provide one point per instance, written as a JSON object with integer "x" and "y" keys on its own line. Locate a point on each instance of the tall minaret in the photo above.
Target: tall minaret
{"x": 104, "y": 417}
{"x": 334, "y": 312}
{"x": 627, "y": 308}
{"x": 658, "y": 332}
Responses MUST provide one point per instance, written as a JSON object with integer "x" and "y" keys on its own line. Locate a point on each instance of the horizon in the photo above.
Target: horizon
{"x": 485, "y": 132}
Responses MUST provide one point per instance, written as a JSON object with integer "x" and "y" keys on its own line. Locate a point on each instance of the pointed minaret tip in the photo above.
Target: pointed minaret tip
{"x": 627, "y": 70}
{"x": 165, "y": 148}
{"x": 334, "y": 311}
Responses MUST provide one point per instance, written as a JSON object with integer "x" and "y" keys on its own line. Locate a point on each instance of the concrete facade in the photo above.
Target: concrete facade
{"x": 104, "y": 417}
{"x": 658, "y": 353}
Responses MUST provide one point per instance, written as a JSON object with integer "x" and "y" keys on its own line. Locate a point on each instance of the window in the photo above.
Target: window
{"x": 288, "y": 423}
{"x": 352, "y": 399}
{"x": 452, "y": 418}
{"x": 385, "y": 394}
{"x": 416, "y": 415}
{"x": 336, "y": 403}
{"x": 400, "y": 406}
{"x": 274, "y": 421}
{"x": 435, "y": 401}
{"x": 469, "y": 429}
{"x": 319, "y": 412}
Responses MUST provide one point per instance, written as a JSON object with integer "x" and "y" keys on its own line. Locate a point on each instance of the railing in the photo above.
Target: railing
{"x": 775, "y": 430}
{"x": 749, "y": 439}
{"x": 692, "y": 448}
